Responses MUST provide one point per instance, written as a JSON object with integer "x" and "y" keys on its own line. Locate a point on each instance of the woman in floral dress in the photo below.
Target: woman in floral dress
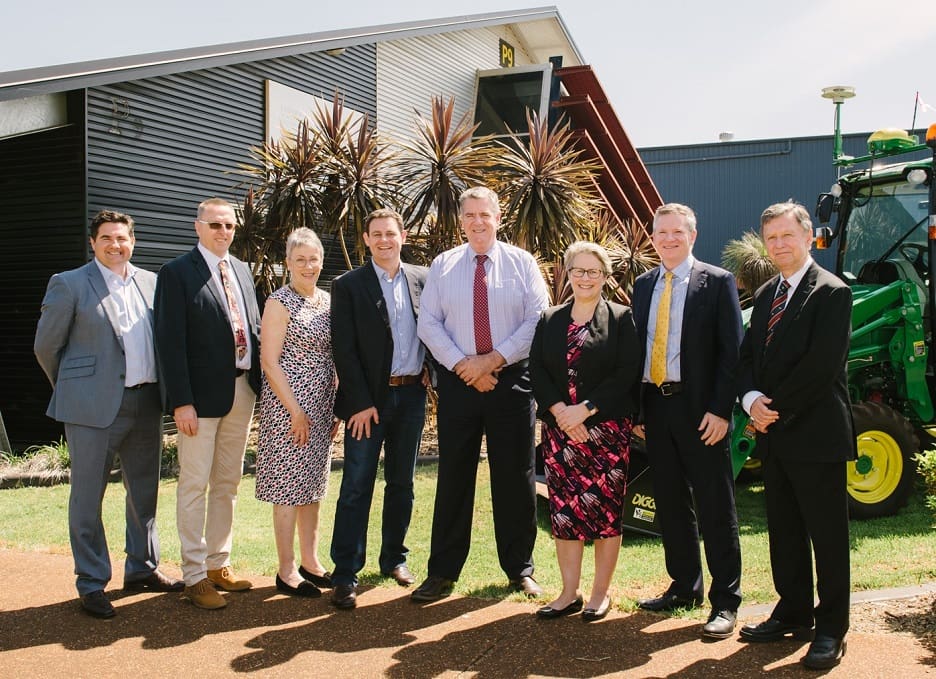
{"x": 584, "y": 362}
{"x": 296, "y": 422}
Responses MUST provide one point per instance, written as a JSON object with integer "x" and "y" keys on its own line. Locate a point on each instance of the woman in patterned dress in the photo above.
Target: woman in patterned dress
{"x": 584, "y": 362}
{"x": 296, "y": 422}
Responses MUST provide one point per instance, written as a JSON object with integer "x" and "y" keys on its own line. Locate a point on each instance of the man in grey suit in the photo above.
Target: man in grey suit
{"x": 95, "y": 343}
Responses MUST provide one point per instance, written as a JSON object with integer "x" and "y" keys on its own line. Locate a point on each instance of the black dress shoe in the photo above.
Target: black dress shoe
{"x": 96, "y": 605}
{"x": 528, "y": 586}
{"x": 774, "y": 630}
{"x": 548, "y": 612}
{"x": 324, "y": 580}
{"x": 433, "y": 588}
{"x": 402, "y": 576}
{"x": 824, "y": 653}
{"x": 154, "y": 582}
{"x": 304, "y": 588}
{"x": 344, "y": 596}
{"x": 720, "y": 624}
{"x": 593, "y": 614}
{"x": 668, "y": 602}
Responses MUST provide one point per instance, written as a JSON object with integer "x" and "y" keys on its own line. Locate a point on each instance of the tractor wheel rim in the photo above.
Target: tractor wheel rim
{"x": 886, "y": 468}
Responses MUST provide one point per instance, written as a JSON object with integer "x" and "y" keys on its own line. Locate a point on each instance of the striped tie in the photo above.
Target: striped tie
{"x": 776, "y": 311}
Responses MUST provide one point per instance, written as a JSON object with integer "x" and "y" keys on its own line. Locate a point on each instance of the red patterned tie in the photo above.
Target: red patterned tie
{"x": 776, "y": 311}
{"x": 482, "y": 320}
{"x": 237, "y": 322}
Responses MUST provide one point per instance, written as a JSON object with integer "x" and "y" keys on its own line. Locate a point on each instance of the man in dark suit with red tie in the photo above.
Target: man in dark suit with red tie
{"x": 793, "y": 384}
{"x": 689, "y": 322}
{"x": 207, "y": 344}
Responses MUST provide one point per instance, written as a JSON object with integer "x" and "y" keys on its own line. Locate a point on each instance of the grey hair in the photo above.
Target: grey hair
{"x": 303, "y": 236}
{"x": 584, "y": 247}
{"x": 482, "y": 193}
{"x": 676, "y": 209}
{"x": 800, "y": 214}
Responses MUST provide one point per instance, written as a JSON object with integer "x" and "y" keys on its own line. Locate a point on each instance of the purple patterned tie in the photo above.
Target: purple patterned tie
{"x": 776, "y": 311}
{"x": 482, "y": 319}
{"x": 237, "y": 322}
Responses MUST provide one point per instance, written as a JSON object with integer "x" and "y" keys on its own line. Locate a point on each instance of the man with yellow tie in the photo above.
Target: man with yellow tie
{"x": 689, "y": 322}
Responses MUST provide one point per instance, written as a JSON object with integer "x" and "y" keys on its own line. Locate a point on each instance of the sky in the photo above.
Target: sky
{"x": 676, "y": 72}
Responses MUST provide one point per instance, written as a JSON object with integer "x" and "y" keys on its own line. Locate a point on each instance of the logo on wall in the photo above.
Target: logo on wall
{"x": 507, "y": 54}
{"x": 123, "y": 122}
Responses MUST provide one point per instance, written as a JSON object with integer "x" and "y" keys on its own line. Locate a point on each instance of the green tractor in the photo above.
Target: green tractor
{"x": 885, "y": 240}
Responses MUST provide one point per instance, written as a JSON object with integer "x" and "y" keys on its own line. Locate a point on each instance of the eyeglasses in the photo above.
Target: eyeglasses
{"x": 577, "y": 272}
{"x": 218, "y": 225}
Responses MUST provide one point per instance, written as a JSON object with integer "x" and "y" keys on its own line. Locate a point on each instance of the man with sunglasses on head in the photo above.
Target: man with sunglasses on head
{"x": 207, "y": 344}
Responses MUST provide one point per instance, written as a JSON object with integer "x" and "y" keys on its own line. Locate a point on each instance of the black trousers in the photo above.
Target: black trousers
{"x": 807, "y": 512}
{"x": 506, "y": 417}
{"x": 683, "y": 466}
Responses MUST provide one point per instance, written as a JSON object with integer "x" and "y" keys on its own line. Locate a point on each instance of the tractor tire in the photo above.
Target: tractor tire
{"x": 881, "y": 479}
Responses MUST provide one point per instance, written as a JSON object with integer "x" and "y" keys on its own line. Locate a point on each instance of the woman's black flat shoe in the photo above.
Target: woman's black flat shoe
{"x": 324, "y": 581}
{"x": 305, "y": 588}
{"x": 548, "y": 612}
{"x": 592, "y": 614}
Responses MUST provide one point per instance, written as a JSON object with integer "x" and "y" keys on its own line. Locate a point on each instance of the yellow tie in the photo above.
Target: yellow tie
{"x": 658, "y": 353}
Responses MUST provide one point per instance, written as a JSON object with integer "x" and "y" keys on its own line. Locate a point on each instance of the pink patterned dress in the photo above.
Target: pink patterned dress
{"x": 287, "y": 474}
{"x": 586, "y": 481}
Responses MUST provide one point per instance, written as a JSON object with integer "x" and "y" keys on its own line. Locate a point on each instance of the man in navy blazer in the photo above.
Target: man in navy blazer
{"x": 207, "y": 339}
{"x": 688, "y": 392}
{"x": 793, "y": 384}
{"x": 94, "y": 342}
{"x": 382, "y": 398}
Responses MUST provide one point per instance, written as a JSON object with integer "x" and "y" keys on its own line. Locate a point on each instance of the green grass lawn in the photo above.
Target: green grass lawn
{"x": 888, "y": 552}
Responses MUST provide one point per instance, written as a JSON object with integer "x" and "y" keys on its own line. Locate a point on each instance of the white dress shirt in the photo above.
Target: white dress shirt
{"x": 135, "y": 328}
{"x": 213, "y": 261}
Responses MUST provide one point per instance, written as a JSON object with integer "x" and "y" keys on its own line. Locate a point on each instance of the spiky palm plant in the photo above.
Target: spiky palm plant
{"x": 282, "y": 196}
{"x": 746, "y": 258}
{"x": 433, "y": 170}
{"x": 547, "y": 190}
{"x": 356, "y": 175}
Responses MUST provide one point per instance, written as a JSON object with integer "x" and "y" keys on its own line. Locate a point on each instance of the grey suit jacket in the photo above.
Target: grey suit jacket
{"x": 79, "y": 346}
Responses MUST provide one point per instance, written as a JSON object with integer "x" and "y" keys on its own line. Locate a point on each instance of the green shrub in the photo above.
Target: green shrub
{"x": 926, "y": 466}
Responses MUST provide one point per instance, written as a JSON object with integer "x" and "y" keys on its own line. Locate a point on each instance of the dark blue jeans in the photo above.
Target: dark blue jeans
{"x": 399, "y": 431}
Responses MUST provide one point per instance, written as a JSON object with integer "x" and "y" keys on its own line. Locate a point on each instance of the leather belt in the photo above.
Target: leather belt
{"x": 667, "y": 388}
{"x": 404, "y": 380}
{"x": 140, "y": 385}
{"x": 239, "y": 372}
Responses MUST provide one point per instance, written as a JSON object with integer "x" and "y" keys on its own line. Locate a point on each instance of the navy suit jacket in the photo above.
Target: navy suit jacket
{"x": 711, "y": 335}
{"x": 194, "y": 340}
{"x": 362, "y": 342}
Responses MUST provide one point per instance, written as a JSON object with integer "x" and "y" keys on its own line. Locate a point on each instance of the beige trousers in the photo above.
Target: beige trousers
{"x": 210, "y": 467}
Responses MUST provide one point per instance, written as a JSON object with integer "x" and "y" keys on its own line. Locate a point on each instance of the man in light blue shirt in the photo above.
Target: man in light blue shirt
{"x": 479, "y": 311}
{"x": 381, "y": 397}
{"x": 95, "y": 343}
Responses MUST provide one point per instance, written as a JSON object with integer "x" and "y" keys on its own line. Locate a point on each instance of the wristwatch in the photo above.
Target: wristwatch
{"x": 592, "y": 408}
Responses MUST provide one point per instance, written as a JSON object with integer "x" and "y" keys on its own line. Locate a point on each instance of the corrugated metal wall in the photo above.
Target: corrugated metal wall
{"x": 159, "y": 146}
{"x": 413, "y": 70}
{"x": 729, "y": 184}
{"x": 43, "y": 231}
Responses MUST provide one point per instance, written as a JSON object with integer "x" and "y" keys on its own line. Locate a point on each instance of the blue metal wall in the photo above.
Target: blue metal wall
{"x": 729, "y": 184}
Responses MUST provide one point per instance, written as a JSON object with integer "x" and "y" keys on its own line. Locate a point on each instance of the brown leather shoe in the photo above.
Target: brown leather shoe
{"x": 154, "y": 582}
{"x": 225, "y": 579}
{"x": 402, "y": 576}
{"x": 203, "y": 595}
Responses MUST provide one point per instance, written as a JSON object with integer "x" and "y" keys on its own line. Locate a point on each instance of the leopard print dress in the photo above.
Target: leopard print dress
{"x": 287, "y": 474}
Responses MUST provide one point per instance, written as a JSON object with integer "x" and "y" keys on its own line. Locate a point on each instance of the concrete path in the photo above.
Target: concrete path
{"x": 262, "y": 633}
